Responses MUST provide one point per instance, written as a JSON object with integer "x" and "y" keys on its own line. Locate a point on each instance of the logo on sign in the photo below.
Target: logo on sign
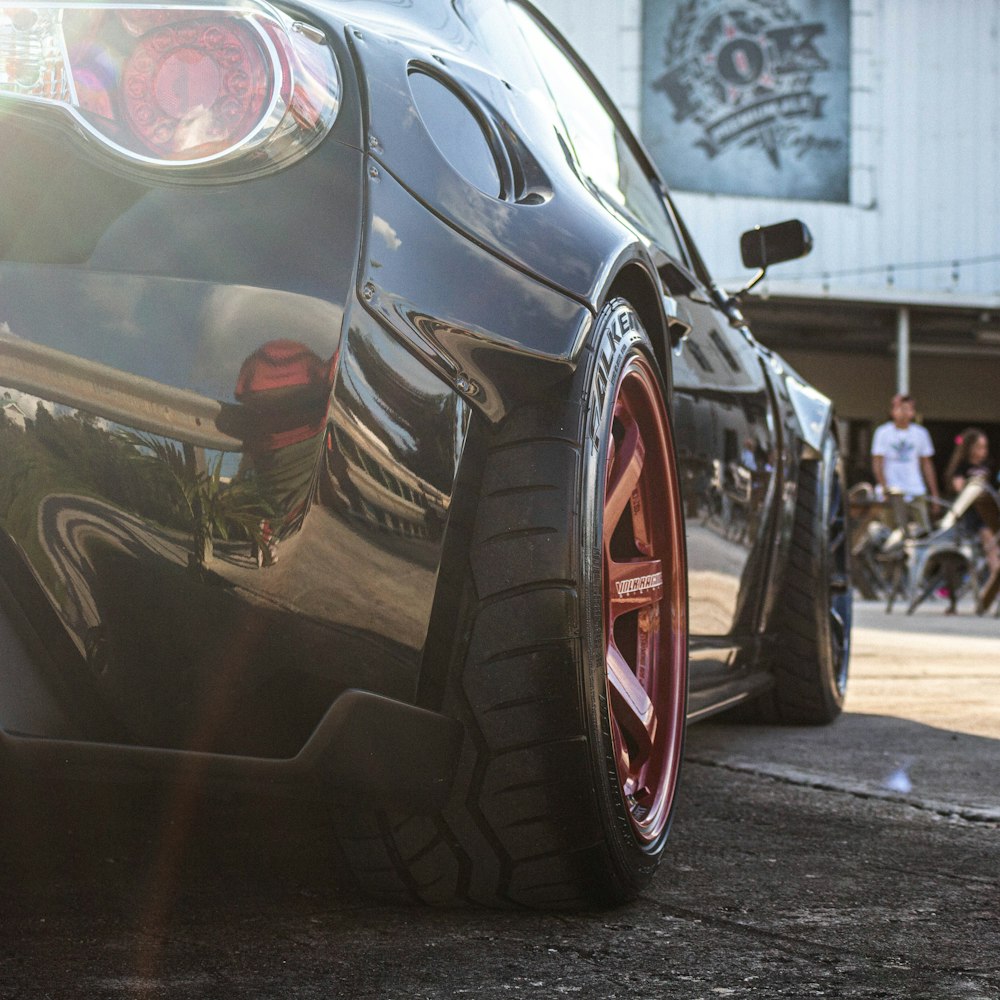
{"x": 745, "y": 74}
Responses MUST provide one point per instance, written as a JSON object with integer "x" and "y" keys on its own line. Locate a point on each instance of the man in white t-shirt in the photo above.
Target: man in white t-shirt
{"x": 901, "y": 460}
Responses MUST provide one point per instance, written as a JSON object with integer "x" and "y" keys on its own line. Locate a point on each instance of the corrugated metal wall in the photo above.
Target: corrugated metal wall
{"x": 925, "y": 148}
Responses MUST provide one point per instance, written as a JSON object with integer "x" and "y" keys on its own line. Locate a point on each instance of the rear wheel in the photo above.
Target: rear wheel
{"x": 645, "y": 602}
{"x": 569, "y": 669}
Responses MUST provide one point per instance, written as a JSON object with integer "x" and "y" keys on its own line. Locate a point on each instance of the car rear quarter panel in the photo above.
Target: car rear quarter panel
{"x": 223, "y": 486}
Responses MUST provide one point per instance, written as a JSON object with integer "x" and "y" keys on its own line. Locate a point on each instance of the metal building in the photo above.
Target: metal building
{"x": 902, "y": 290}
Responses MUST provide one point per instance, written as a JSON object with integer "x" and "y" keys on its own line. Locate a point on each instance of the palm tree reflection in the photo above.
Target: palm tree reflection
{"x": 212, "y": 505}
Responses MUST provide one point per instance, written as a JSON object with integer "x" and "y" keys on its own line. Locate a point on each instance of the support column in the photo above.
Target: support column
{"x": 903, "y": 350}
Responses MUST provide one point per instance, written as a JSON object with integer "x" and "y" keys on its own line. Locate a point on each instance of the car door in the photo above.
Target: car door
{"x": 727, "y": 452}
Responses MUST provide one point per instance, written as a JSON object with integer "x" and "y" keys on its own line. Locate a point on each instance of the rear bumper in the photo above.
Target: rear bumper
{"x": 369, "y": 749}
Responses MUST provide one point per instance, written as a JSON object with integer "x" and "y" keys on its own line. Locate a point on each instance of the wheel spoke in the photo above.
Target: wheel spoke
{"x": 838, "y": 537}
{"x": 641, "y": 528}
{"x": 631, "y": 707}
{"x": 625, "y": 475}
{"x": 839, "y": 637}
{"x": 839, "y": 585}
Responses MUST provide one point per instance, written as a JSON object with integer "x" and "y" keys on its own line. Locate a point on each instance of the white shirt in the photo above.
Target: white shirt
{"x": 902, "y": 450}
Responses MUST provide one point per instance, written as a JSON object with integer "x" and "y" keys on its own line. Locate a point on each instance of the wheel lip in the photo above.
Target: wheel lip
{"x": 639, "y": 377}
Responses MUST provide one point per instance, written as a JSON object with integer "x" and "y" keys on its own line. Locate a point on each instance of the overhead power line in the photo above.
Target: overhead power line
{"x": 925, "y": 265}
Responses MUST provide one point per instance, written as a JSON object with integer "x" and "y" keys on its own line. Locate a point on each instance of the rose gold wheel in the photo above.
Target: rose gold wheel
{"x": 645, "y": 604}
{"x": 570, "y": 681}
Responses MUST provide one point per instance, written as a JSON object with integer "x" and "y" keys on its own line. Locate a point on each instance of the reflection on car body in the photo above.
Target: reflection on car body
{"x": 372, "y": 429}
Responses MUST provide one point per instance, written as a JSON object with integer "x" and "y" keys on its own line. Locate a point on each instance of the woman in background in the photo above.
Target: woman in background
{"x": 971, "y": 460}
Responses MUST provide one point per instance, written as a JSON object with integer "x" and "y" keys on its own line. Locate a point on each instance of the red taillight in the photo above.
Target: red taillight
{"x": 195, "y": 88}
{"x": 176, "y": 87}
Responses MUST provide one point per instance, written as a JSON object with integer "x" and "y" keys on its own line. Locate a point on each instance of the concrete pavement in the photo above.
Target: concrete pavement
{"x": 940, "y": 670}
{"x": 921, "y": 723}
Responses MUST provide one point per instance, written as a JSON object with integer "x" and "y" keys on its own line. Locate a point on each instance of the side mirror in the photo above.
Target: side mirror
{"x": 763, "y": 246}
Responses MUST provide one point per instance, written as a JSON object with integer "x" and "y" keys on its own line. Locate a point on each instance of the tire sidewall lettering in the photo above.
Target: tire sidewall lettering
{"x": 617, "y": 337}
{"x": 622, "y": 330}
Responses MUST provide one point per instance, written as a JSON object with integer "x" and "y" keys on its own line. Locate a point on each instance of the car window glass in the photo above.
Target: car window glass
{"x": 499, "y": 36}
{"x": 603, "y": 152}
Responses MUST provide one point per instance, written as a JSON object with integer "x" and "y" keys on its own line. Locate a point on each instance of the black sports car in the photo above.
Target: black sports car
{"x": 372, "y": 428}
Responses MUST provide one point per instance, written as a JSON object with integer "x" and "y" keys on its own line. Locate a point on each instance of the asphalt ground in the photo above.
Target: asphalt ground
{"x": 856, "y": 860}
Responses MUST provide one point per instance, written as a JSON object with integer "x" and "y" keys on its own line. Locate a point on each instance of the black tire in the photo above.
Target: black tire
{"x": 540, "y": 814}
{"x": 812, "y": 627}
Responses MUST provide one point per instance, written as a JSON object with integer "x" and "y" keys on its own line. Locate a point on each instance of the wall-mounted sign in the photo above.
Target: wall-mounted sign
{"x": 749, "y": 96}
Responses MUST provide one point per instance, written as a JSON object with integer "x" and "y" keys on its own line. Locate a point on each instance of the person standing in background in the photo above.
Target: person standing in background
{"x": 901, "y": 461}
{"x": 971, "y": 461}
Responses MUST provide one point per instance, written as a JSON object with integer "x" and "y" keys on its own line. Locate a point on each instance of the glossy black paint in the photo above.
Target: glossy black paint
{"x": 141, "y": 365}
{"x": 544, "y": 209}
{"x": 486, "y": 325}
{"x": 240, "y": 411}
{"x": 277, "y": 623}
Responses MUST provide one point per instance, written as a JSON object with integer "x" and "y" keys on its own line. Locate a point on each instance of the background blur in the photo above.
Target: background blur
{"x": 875, "y": 121}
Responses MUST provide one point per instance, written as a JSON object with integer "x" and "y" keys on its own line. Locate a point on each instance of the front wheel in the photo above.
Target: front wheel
{"x": 569, "y": 666}
{"x": 812, "y": 628}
